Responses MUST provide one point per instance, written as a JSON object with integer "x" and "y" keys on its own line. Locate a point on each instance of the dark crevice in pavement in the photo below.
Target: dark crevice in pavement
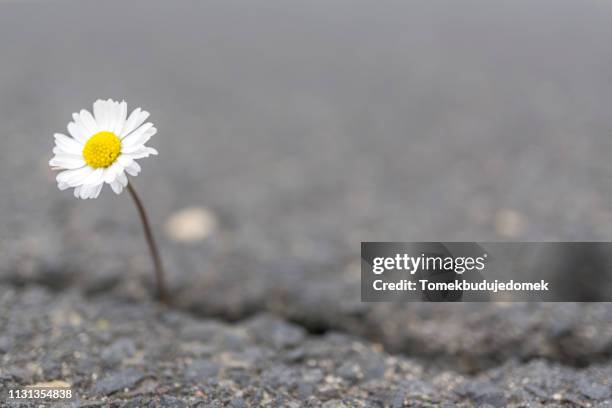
{"x": 48, "y": 281}
{"x": 465, "y": 364}
{"x": 470, "y": 365}
{"x": 316, "y": 330}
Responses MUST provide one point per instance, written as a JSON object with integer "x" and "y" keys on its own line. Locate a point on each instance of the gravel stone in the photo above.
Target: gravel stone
{"x": 120, "y": 350}
{"x": 484, "y": 393}
{"x": 114, "y": 381}
{"x": 200, "y": 370}
{"x": 594, "y": 391}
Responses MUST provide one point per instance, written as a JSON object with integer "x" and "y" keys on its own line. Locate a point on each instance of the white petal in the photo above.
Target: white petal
{"x": 83, "y": 192}
{"x": 117, "y": 187}
{"x": 133, "y": 169}
{"x": 125, "y": 160}
{"x": 110, "y": 173}
{"x": 137, "y": 118}
{"x": 88, "y": 122}
{"x": 63, "y": 151}
{"x": 68, "y": 144}
{"x": 86, "y": 191}
{"x": 130, "y": 123}
{"x": 77, "y": 191}
{"x": 96, "y": 191}
{"x": 67, "y": 162}
{"x": 122, "y": 178}
{"x": 101, "y": 113}
{"x": 95, "y": 178}
{"x": 113, "y": 114}
{"x": 69, "y": 151}
{"x": 74, "y": 177}
{"x": 143, "y": 152}
{"x": 62, "y": 186}
{"x": 120, "y": 119}
{"x": 91, "y": 191}
{"x": 76, "y": 130}
{"x": 138, "y": 137}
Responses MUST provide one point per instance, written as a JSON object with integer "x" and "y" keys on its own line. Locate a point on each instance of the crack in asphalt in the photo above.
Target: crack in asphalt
{"x": 465, "y": 364}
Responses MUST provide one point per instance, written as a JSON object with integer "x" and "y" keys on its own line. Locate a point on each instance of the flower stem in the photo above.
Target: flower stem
{"x": 159, "y": 268}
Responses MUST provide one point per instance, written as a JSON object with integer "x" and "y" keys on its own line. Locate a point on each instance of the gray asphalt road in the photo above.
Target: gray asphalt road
{"x": 303, "y": 128}
{"x": 103, "y": 352}
{"x": 329, "y": 121}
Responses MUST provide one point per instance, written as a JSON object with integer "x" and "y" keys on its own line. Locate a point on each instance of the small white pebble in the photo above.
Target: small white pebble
{"x": 191, "y": 224}
{"x": 51, "y": 384}
{"x": 509, "y": 223}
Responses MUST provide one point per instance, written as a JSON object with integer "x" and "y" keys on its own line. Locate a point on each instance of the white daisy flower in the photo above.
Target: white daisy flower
{"x": 103, "y": 147}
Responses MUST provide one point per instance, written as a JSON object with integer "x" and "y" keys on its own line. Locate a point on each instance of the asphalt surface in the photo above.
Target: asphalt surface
{"x": 136, "y": 355}
{"x": 297, "y": 130}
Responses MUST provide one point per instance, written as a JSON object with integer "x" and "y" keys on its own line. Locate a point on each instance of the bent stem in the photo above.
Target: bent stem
{"x": 159, "y": 268}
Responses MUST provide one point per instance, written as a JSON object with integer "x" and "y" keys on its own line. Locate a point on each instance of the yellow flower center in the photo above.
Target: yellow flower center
{"x": 102, "y": 149}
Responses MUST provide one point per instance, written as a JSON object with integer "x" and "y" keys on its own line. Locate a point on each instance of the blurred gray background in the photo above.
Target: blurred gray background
{"x": 294, "y": 131}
